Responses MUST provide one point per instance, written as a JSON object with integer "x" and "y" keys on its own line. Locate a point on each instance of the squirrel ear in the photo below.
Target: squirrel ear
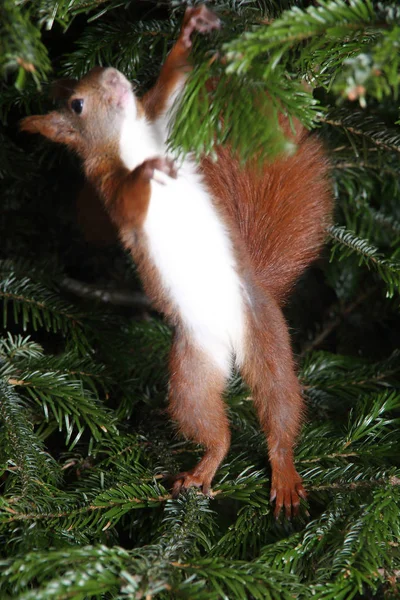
{"x": 54, "y": 126}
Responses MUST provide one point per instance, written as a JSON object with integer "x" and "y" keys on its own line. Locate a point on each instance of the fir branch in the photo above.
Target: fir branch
{"x": 336, "y": 372}
{"x": 364, "y": 428}
{"x": 374, "y": 73}
{"x": 21, "y": 49}
{"x": 140, "y": 348}
{"x": 246, "y": 535}
{"x": 196, "y": 547}
{"x": 249, "y": 486}
{"x": 336, "y": 535}
{"x": 240, "y": 579}
{"x": 22, "y": 450}
{"x": 34, "y": 303}
{"x": 91, "y": 375}
{"x": 19, "y": 347}
{"x": 357, "y": 454}
{"x": 204, "y": 120}
{"x": 85, "y": 569}
{"x": 123, "y": 44}
{"x": 362, "y": 174}
{"x": 325, "y": 23}
{"x": 187, "y": 526}
{"x": 348, "y": 243}
{"x": 340, "y": 45}
{"x": 365, "y": 544}
{"x": 95, "y": 570}
{"x": 107, "y": 508}
{"x": 63, "y": 398}
{"x": 243, "y": 67}
{"x": 360, "y": 125}
{"x": 63, "y": 11}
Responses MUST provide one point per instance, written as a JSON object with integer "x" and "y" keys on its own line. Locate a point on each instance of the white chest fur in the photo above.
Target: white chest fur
{"x": 193, "y": 253}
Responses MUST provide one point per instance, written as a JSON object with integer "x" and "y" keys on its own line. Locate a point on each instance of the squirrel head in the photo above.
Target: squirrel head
{"x": 93, "y": 112}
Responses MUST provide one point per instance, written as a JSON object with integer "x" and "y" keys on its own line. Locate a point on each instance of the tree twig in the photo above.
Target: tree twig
{"x": 107, "y": 296}
{"x": 331, "y": 325}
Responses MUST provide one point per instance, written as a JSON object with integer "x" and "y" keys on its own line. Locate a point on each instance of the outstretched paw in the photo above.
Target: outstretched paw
{"x": 186, "y": 480}
{"x": 287, "y": 495}
{"x": 198, "y": 18}
{"x": 154, "y": 168}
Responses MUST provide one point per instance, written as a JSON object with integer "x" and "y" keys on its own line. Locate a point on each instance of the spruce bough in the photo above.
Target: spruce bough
{"x": 84, "y": 440}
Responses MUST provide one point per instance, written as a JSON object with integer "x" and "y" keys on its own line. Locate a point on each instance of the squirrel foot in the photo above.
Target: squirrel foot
{"x": 184, "y": 481}
{"x": 198, "y": 18}
{"x": 287, "y": 491}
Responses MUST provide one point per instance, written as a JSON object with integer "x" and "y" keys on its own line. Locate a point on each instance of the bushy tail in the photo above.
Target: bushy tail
{"x": 281, "y": 210}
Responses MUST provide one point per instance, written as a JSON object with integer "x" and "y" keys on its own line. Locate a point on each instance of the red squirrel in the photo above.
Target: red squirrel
{"x": 218, "y": 247}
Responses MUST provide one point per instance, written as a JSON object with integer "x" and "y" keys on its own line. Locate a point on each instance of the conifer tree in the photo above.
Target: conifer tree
{"x": 85, "y": 442}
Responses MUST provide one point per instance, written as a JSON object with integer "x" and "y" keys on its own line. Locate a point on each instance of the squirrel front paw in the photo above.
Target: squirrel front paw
{"x": 198, "y": 18}
{"x": 154, "y": 168}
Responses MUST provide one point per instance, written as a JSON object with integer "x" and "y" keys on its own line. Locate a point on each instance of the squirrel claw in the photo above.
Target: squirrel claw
{"x": 155, "y": 167}
{"x": 288, "y": 498}
{"x": 186, "y": 480}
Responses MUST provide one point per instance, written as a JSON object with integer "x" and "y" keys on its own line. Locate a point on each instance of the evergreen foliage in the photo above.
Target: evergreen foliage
{"x": 85, "y": 441}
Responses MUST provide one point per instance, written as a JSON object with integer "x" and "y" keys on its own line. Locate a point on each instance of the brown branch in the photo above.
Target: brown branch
{"x": 354, "y": 484}
{"x": 331, "y": 325}
{"x": 90, "y": 508}
{"x": 107, "y": 296}
{"x": 333, "y": 455}
{"x": 17, "y": 516}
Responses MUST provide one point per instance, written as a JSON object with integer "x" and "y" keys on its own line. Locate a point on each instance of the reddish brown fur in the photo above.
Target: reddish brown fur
{"x": 156, "y": 99}
{"x": 277, "y": 219}
{"x": 269, "y": 371}
{"x": 196, "y": 404}
{"x": 282, "y": 209}
{"x": 126, "y": 193}
{"x": 177, "y": 65}
{"x": 281, "y": 212}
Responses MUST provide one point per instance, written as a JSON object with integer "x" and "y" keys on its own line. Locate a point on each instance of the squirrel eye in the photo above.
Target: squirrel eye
{"x": 77, "y": 105}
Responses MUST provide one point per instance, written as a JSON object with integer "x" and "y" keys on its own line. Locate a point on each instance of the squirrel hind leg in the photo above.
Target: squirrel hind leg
{"x": 268, "y": 368}
{"x": 196, "y": 405}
